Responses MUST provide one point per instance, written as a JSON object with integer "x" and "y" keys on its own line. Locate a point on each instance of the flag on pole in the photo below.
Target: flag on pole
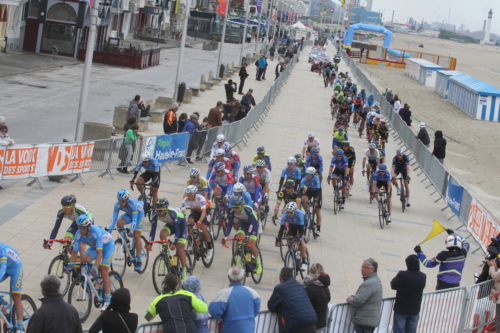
{"x": 221, "y": 9}
{"x": 343, "y": 3}
{"x": 437, "y": 228}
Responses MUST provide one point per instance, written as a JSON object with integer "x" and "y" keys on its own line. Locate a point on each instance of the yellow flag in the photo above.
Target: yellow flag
{"x": 437, "y": 228}
{"x": 343, "y": 3}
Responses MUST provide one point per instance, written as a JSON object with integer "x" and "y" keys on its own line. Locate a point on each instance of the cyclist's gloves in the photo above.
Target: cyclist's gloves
{"x": 450, "y": 231}
{"x": 417, "y": 249}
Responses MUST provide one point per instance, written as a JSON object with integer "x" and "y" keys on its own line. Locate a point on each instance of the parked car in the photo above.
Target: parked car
{"x": 315, "y": 52}
{"x": 317, "y": 60}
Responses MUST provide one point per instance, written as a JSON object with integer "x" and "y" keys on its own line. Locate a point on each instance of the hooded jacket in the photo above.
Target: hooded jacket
{"x": 133, "y": 110}
{"x": 193, "y": 285}
{"x": 110, "y": 322}
{"x": 319, "y": 295}
{"x": 439, "y": 145}
{"x": 409, "y": 286}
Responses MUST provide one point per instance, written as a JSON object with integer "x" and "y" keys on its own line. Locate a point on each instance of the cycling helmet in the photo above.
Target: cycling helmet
{"x": 372, "y": 146}
{"x": 377, "y": 116}
{"x": 194, "y": 172}
{"x": 341, "y": 128}
{"x": 289, "y": 183}
{"x": 310, "y": 171}
{"x": 383, "y": 122}
{"x": 221, "y": 138}
{"x": 123, "y": 195}
{"x": 382, "y": 166}
{"x": 261, "y": 150}
{"x": 260, "y": 163}
{"x": 297, "y": 156}
{"x": 68, "y": 200}
{"x": 339, "y": 152}
{"x": 373, "y": 114}
{"x": 291, "y": 207}
{"x": 314, "y": 150}
{"x": 83, "y": 221}
{"x": 399, "y": 151}
{"x": 292, "y": 159}
{"x": 191, "y": 189}
{"x": 238, "y": 188}
{"x": 248, "y": 168}
{"x": 362, "y": 89}
{"x": 349, "y": 99}
{"x": 219, "y": 152}
{"x": 378, "y": 144}
{"x": 346, "y": 143}
{"x": 376, "y": 104}
{"x": 228, "y": 151}
{"x": 310, "y": 135}
{"x": 389, "y": 90}
{"x": 146, "y": 156}
{"x": 355, "y": 84}
{"x": 219, "y": 166}
{"x": 341, "y": 117}
{"x": 237, "y": 201}
{"x": 452, "y": 241}
{"x": 162, "y": 203}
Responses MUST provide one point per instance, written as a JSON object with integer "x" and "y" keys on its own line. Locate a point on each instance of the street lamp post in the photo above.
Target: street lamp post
{"x": 244, "y": 31}
{"x": 222, "y": 37}
{"x": 181, "y": 51}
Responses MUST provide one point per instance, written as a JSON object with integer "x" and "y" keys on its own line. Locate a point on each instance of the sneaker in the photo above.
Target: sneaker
{"x": 303, "y": 267}
{"x": 398, "y": 191}
{"x": 407, "y": 201}
{"x": 209, "y": 254}
{"x": 104, "y": 306}
{"x": 342, "y": 206}
{"x": 317, "y": 233}
{"x": 350, "y": 191}
{"x": 258, "y": 269}
{"x": 389, "y": 218}
{"x": 138, "y": 267}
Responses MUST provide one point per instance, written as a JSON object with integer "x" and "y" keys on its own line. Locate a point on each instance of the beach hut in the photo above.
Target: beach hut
{"x": 478, "y": 99}
{"x": 413, "y": 67}
{"x": 427, "y": 74}
{"x": 442, "y": 83}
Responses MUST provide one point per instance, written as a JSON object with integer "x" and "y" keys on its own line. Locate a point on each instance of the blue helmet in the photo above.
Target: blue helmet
{"x": 297, "y": 156}
{"x": 261, "y": 150}
{"x": 123, "y": 195}
{"x": 228, "y": 150}
{"x": 219, "y": 166}
{"x": 248, "y": 168}
{"x": 314, "y": 150}
{"x": 382, "y": 166}
{"x": 339, "y": 152}
{"x": 237, "y": 201}
{"x": 83, "y": 221}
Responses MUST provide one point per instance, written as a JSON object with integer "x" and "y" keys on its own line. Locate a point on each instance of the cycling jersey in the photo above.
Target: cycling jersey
{"x": 235, "y": 163}
{"x": 309, "y": 144}
{"x": 338, "y": 138}
{"x": 212, "y": 162}
{"x": 351, "y": 156}
{"x": 295, "y": 174}
{"x": 266, "y": 158}
{"x": 174, "y": 219}
{"x": 152, "y": 172}
{"x": 404, "y": 161}
{"x": 363, "y": 114}
{"x": 11, "y": 266}
{"x": 224, "y": 182}
{"x": 198, "y": 204}
{"x": 316, "y": 163}
{"x": 382, "y": 177}
{"x": 339, "y": 164}
{"x": 284, "y": 196}
{"x": 216, "y": 146}
{"x": 77, "y": 211}
{"x": 372, "y": 156}
{"x": 264, "y": 177}
{"x": 312, "y": 184}
{"x": 96, "y": 238}
{"x": 134, "y": 212}
{"x": 371, "y": 100}
{"x": 201, "y": 184}
{"x": 253, "y": 187}
{"x": 296, "y": 222}
{"x": 247, "y": 221}
{"x": 382, "y": 131}
{"x": 246, "y": 196}
{"x": 340, "y": 99}
{"x": 153, "y": 166}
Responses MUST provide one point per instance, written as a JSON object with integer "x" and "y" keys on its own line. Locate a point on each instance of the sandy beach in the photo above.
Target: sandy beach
{"x": 475, "y": 161}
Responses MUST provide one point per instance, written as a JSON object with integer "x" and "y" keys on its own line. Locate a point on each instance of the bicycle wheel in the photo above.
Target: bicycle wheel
{"x": 160, "y": 269}
{"x": 283, "y": 247}
{"x": 403, "y": 197}
{"x": 29, "y": 307}
{"x": 189, "y": 265}
{"x": 119, "y": 262}
{"x": 263, "y": 216}
{"x": 207, "y": 263}
{"x": 144, "y": 255}
{"x": 339, "y": 199}
{"x": 335, "y": 194}
{"x": 216, "y": 222}
{"x": 195, "y": 250}
{"x": 313, "y": 223}
{"x": 80, "y": 296}
{"x": 370, "y": 186}
{"x": 290, "y": 262}
{"x": 381, "y": 214}
{"x": 306, "y": 272}
{"x": 257, "y": 277}
{"x": 56, "y": 268}
{"x": 307, "y": 236}
{"x": 310, "y": 232}
{"x": 116, "y": 281}
{"x": 238, "y": 260}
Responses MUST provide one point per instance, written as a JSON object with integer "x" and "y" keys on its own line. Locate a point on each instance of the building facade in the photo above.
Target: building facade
{"x": 359, "y": 15}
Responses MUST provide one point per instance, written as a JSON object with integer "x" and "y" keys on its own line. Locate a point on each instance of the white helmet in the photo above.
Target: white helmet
{"x": 377, "y": 116}
{"x": 146, "y": 156}
{"x": 194, "y": 172}
{"x": 219, "y": 152}
{"x": 191, "y": 189}
{"x": 389, "y": 90}
{"x": 260, "y": 163}
{"x": 310, "y": 135}
{"x": 311, "y": 171}
{"x": 292, "y": 159}
{"x": 221, "y": 138}
{"x": 376, "y": 104}
{"x": 372, "y": 114}
{"x": 452, "y": 241}
{"x": 291, "y": 207}
{"x": 238, "y": 188}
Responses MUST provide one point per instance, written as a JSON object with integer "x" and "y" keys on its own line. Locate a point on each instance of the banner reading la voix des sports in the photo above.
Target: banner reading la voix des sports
{"x": 170, "y": 147}
{"x": 482, "y": 226}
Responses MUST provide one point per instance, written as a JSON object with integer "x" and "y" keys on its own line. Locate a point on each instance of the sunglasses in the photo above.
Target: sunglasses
{"x": 124, "y": 200}
{"x": 193, "y": 177}
{"x": 81, "y": 228}
{"x": 314, "y": 154}
{"x": 382, "y": 171}
{"x": 67, "y": 207}
{"x": 290, "y": 213}
{"x": 260, "y": 167}
{"x": 248, "y": 173}
{"x": 288, "y": 188}
{"x": 291, "y": 163}
{"x": 260, "y": 153}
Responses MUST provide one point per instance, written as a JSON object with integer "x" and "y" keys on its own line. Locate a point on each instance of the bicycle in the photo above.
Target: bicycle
{"x": 243, "y": 258}
{"x": 311, "y": 223}
{"x": 146, "y": 199}
{"x": 402, "y": 194}
{"x": 166, "y": 263}
{"x": 293, "y": 257}
{"x": 361, "y": 127}
{"x": 335, "y": 109}
{"x": 369, "y": 181}
{"x": 60, "y": 261}
{"x": 264, "y": 213}
{"x": 124, "y": 254}
{"x": 382, "y": 207}
{"x": 337, "y": 195}
{"x": 218, "y": 219}
{"x": 197, "y": 245}
{"x": 8, "y": 316}
{"x": 82, "y": 288}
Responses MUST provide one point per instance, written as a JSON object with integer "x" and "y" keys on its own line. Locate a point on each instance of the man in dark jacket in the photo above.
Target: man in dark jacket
{"x": 406, "y": 115}
{"x": 230, "y": 88}
{"x": 117, "y": 317}
{"x": 290, "y": 301}
{"x": 409, "y": 286}
{"x": 243, "y": 76}
{"x": 248, "y": 100}
{"x": 423, "y": 135}
{"x": 55, "y": 315}
{"x": 136, "y": 108}
{"x": 439, "y": 146}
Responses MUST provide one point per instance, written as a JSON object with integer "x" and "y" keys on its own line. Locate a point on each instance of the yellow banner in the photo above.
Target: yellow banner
{"x": 437, "y": 228}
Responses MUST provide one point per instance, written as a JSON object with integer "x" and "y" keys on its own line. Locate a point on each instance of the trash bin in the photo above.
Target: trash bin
{"x": 222, "y": 70}
{"x": 180, "y": 92}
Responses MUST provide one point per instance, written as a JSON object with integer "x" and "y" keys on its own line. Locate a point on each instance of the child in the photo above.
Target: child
{"x": 193, "y": 285}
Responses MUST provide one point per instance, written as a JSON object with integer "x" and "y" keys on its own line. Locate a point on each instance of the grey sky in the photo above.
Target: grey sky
{"x": 470, "y": 13}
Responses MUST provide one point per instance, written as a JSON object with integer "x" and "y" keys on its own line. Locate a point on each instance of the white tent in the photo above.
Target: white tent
{"x": 299, "y": 26}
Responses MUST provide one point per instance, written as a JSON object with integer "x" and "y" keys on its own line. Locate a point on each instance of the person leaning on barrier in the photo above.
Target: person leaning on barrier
{"x": 423, "y": 136}
{"x": 190, "y": 127}
{"x": 117, "y": 317}
{"x": 439, "y": 146}
{"x": 316, "y": 285}
{"x": 215, "y": 115}
{"x": 451, "y": 262}
{"x": 248, "y": 100}
{"x": 170, "y": 120}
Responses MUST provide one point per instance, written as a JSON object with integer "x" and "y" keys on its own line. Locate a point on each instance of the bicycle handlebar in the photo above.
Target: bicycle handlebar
{"x": 118, "y": 229}
{"x": 160, "y": 241}
{"x": 235, "y": 239}
{"x": 62, "y": 241}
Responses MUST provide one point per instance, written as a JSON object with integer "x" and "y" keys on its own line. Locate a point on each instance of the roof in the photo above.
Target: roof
{"x": 418, "y": 61}
{"x": 475, "y": 85}
{"x": 449, "y": 73}
{"x": 432, "y": 65}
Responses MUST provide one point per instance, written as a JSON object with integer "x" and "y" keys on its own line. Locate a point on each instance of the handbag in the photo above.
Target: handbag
{"x": 124, "y": 323}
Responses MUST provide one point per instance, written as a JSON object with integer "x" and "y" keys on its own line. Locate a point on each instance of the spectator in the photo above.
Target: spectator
{"x": 317, "y": 289}
{"x": 55, "y": 315}
{"x": 202, "y": 138}
{"x": 406, "y": 115}
{"x": 181, "y": 122}
{"x": 368, "y": 299}
{"x": 439, "y": 146}
{"x": 409, "y": 286}
{"x": 215, "y": 116}
{"x": 290, "y": 301}
{"x": 2, "y": 120}
{"x": 175, "y": 307}
{"x": 249, "y": 37}
{"x": 117, "y": 317}
{"x": 190, "y": 127}
{"x": 129, "y": 142}
{"x": 170, "y": 120}
{"x": 495, "y": 275}
{"x": 243, "y": 76}
{"x": 5, "y": 139}
{"x": 401, "y": 111}
{"x": 194, "y": 140}
{"x": 389, "y": 97}
{"x": 229, "y": 110}
{"x": 240, "y": 113}
{"x": 265, "y": 68}
{"x": 237, "y": 306}
{"x": 280, "y": 67}
{"x": 261, "y": 66}
{"x": 272, "y": 50}
{"x": 136, "y": 108}
{"x": 193, "y": 285}
{"x": 230, "y": 88}
{"x": 397, "y": 104}
{"x": 423, "y": 135}
{"x": 248, "y": 100}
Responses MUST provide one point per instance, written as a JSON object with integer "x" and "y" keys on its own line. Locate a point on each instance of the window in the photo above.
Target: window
{"x": 62, "y": 12}
{"x": 33, "y": 9}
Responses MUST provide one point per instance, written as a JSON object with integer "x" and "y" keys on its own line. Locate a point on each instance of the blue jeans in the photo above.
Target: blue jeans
{"x": 404, "y": 323}
{"x": 363, "y": 329}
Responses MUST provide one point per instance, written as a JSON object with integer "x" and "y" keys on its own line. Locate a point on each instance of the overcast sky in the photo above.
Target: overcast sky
{"x": 470, "y": 13}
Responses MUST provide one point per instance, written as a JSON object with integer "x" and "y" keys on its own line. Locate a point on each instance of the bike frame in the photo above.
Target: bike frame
{"x": 10, "y": 308}
{"x": 88, "y": 281}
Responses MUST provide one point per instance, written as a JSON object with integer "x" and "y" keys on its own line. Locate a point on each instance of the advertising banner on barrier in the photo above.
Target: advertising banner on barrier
{"x": 68, "y": 158}
{"x": 171, "y": 147}
{"x": 23, "y": 161}
{"x": 481, "y": 224}
{"x": 454, "y": 197}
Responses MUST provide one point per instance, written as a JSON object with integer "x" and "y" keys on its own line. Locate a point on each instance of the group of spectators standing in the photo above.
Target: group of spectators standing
{"x": 5, "y": 139}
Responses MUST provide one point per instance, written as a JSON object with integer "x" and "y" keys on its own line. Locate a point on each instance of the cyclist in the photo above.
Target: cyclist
{"x": 70, "y": 210}
{"x": 11, "y": 266}
{"x": 234, "y": 158}
{"x": 401, "y": 165}
{"x": 362, "y": 114}
{"x": 354, "y": 89}
{"x": 338, "y": 85}
{"x": 381, "y": 151}
{"x": 296, "y": 228}
{"x": 373, "y": 157}
{"x": 200, "y": 212}
{"x": 339, "y": 137}
{"x": 252, "y": 184}
{"x": 363, "y": 94}
{"x": 382, "y": 178}
{"x": 218, "y": 157}
{"x": 198, "y": 181}
{"x": 290, "y": 172}
{"x": 315, "y": 160}
{"x": 152, "y": 173}
{"x": 134, "y": 213}
{"x": 239, "y": 190}
{"x": 300, "y": 163}
{"x": 175, "y": 224}
{"x": 101, "y": 248}
{"x": 220, "y": 143}
{"x": 358, "y": 105}
{"x": 351, "y": 159}
{"x": 340, "y": 123}
{"x": 248, "y": 227}
{"x": 261, "y": 155}
{"x": 288, "y": 194}
{"x": 313, "y": 185}
{"x": 326, "y": 75}
{"x": 339, "y": 169}
{"x": 310, "y": 142}
{"x": 221, "y": 181}
{"x": 369, "y": 126}
{"x": 382, "y": 132}
{"x": 370, "y": 100}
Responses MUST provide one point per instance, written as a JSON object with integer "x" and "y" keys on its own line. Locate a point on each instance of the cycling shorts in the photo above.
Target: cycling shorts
{"x": 381, "y": 183}
{"x": 16, "y": 274}
{"x": 310, "y": 194}
{"x": 338, "y": 172}
{"x": 147, "y": 176}
{"x": 249, "y": 229}
{"x": 196, "y": 215}
{"x": 222, "y": 189}
{"x": 107, "y": 253}
{"x": 182, "y": 226}
{"x": 73, "y": 228}
{"x": 294, "y": 230}
{"x": 384, "y": 137}
{"x": 401, "y": 170}
{"x": 140, "y": 218}
{"x": 373, "y": 164}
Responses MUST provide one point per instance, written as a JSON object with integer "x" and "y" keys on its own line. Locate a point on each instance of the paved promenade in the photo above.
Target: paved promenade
{"x": 27, "y": 214}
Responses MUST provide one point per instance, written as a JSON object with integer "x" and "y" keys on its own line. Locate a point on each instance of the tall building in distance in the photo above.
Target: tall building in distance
{"x": 362, "y": 4}
{"x": 369, "y": 4}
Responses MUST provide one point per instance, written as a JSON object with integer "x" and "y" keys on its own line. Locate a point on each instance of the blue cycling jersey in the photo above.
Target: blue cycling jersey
{"x": 8, "y": 257}
{"x": 294, "y": 174}
{"x": 312, "y": 184}
{"x": 339, "y": 164}
{"x": 297, "y": 219}
{"x": 382, "y": 177}
{"x": 248, "y": 199}
{"x": 134, "y": 208}
{"x": 315, "y": 162}
{"x": 153, "y": 166}
{"x": 247, "y": 219}
{"x": 96, "y": 238}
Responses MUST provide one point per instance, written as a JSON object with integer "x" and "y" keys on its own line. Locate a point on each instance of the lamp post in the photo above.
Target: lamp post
{"x": 244, "y": 31}
{"x": 222, "y": 37}
{"x": 181, "y": 51}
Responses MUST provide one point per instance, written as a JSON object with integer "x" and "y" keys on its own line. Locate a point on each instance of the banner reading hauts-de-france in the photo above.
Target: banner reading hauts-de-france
{"x": 171, "y": 147}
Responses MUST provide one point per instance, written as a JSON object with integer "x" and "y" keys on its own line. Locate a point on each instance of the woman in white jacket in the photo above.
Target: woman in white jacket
{"x": 397, "y": 104}
{"x": 5, "y": 140}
